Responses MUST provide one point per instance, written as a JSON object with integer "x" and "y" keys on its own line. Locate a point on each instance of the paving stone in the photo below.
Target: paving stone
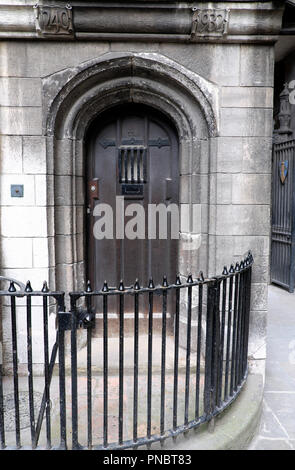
{"x": 272, "y": 444}
{"x": 277, "y": 427}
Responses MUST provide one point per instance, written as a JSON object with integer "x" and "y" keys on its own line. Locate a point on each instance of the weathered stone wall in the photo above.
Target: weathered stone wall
{"x": 235, "y": 196}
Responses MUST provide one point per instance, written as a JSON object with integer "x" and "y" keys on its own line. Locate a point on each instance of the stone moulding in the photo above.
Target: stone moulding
{"x": 84, "y": 81}
{"x": 246, "y": 22}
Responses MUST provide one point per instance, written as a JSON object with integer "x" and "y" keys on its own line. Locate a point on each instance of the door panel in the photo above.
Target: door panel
{"x": 133, "y": 153}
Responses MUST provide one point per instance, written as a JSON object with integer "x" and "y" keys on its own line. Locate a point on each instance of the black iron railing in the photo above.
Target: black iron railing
{"x": 173, "y": 370}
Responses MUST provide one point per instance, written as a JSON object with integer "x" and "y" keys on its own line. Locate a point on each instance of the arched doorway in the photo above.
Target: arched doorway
{"x": 132, "y": 167}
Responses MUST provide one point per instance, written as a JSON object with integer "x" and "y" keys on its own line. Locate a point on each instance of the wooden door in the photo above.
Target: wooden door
{"x": 132, "y": 159}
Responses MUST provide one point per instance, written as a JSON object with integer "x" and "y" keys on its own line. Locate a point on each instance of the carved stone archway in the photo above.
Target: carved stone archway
{"x": 74, "y": 97}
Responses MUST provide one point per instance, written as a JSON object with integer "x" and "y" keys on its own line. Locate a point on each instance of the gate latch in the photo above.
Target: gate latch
{"x": 84, "y": 319}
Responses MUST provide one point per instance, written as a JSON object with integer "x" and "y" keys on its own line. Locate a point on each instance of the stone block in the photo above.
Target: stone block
{"x": 20, "y": 121}
{"x": 79, "y": 160}
{"x": 231, "y": 249}
{"x": 257, "y": 65}
{"x": 10, "y": 154}
{"x": 16, "y": 252}
{"x": 130, "y": 46}
{"x": 219, "y": 63}
{"x": 259, "y": 296}
{"x": 195, "y": 156}
{"x": 41, "y": 247}
{"x": 79, "y": 276}
{"x": 64, "y": 248}
{"x": 51, "y": 221}
{"x": 242, "y": 220}
{"x": 244, "y": 155}
{"x": 206, "y": 147}
{"x": 80, "y": 247}
{"x": 35, "y": 59}
{"x": 260, "y": 271}
{"x": 259, "y": 245}
{"x": 189, "y": 254}
{"x": 20, "y": 91}
{"x": 49, "y": 146}
{"x": 65, "y": 277}
{"x": 224, "y": 188}
{"x": 186, "y": 155}
{"x": 65, "y": 161}
{"x": 191, "y": 189}
{"x": 44, "y": 190}
{"x": 257, "y": 335}
{"x": 64, "y": 220}
{"x": 27, "y": 181}
{"x": 79, "y": 190}
{"x": 246, "y": 122}
{"x": 251, "y": 189}
{"x": 34, "y": 155}
{"x": 246, "y": 97}
{"x": 23, "y": 221}
{"x": 63, "y": 188}
{"x": 80, "y": 221}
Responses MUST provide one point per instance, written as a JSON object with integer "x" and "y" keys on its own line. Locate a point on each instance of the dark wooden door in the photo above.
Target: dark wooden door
{"x": 133, "y": 156}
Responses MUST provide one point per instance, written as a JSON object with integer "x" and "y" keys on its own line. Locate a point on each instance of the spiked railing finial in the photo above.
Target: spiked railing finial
{"x": 151, "y": 284}
{"x": 105, "y": 287}
{"x": 12, "y": 287}
{"x": 45, "y": 287}
{"x": 88, "y": 288}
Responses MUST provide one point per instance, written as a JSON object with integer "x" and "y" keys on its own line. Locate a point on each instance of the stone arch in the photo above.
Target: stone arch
{"x": 74, "y": 97}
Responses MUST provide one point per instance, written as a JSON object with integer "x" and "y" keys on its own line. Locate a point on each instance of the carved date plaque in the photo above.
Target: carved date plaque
{"x": 54, "y": 20}
{"x": 209, "y": 23}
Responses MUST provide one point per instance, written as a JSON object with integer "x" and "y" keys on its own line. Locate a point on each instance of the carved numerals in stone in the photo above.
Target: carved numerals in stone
{"x": 54, "y": 20}
{"x": 209, "y": 23}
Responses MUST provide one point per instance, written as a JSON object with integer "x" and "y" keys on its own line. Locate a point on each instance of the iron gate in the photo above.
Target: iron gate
{"x": 171, "y": 391}
{"x": 283, "y": 216}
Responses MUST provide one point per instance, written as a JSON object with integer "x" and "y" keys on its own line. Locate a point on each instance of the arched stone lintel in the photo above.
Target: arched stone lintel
{"x": 63, "y": 89}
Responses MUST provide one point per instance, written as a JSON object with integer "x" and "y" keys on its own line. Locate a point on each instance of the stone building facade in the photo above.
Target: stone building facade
{"x": 207, "y": 66}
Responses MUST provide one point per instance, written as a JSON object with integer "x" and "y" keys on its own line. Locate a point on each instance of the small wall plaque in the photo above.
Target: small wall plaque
{"x": 210, "y": 22}
{"x": 17, "y": 190}
{"x": 54, "y": 20}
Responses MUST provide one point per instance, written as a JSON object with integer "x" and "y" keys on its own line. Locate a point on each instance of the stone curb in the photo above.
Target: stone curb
{"x": 234, "y": 428}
